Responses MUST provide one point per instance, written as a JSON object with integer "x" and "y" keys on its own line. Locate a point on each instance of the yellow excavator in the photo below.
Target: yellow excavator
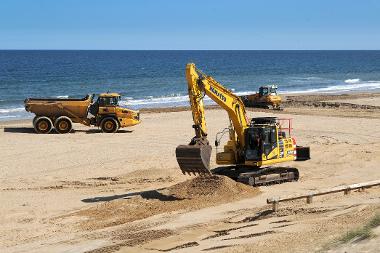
{"x": 266, "y": 97}
{"x": 254, "y": 146}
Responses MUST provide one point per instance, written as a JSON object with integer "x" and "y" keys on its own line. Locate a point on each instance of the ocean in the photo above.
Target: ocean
{"x": 157, "y": 78}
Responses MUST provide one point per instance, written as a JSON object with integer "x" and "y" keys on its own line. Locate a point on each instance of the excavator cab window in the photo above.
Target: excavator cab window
{"x": 273, "y": 90}
{"x": 254, "y": 145}
{"x": 260, "y": 140}
{"x": 268, "y": 90}
{"x": 270, "y": 139}
{"x": 263, "y": 91}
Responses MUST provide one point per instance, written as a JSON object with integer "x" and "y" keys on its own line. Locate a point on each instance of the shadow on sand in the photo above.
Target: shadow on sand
{"x": 30, "y": 130}
{"x": 152, "y": 194}
{"x": 98, "y": 131}
{"x": 23, "y": 130}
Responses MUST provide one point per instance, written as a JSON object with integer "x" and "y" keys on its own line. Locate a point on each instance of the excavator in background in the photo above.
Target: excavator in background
{"x": 266, "y": 97}
{"x": 252, "y": 144}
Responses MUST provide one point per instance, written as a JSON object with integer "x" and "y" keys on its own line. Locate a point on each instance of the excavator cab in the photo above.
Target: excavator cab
{"x": 265, "y": 98}
{"x": 268, "y": 90}
{"x": 261, "y": 138}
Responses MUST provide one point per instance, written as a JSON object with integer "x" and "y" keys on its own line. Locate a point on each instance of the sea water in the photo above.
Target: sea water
{"x": 157, "y": 78}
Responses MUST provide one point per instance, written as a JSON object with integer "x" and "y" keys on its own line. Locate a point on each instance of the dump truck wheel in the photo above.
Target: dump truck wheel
{"x": 34, "y": 120}
{"x": 63, "y": 125}
{"x": 43, "y": 125}
{"x": 109, "y": 125}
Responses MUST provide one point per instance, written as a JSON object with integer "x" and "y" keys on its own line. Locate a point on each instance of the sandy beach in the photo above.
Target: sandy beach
{"x": 93, "y": 192}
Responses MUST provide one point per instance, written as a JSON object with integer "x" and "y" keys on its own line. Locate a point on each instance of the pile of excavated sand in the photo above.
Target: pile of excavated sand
{"x": 193, "y": 194}
{"x": 204, "y": 186}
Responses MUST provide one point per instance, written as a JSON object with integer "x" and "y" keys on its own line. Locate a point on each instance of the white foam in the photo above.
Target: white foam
{"x": 8, "y": 116}
{"x": 62, "y": 96}
{"x": 150, "y": 100}
{"x": 356, "y": 80}
{"x": 353, "y": 86}
{"x": 171, "y": 100}
{"x": 10, "y": 110}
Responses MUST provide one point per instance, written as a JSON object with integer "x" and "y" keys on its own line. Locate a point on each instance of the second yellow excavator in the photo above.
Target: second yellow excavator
{"x": 252, "y": 143}
{"x": 266, "y": 97}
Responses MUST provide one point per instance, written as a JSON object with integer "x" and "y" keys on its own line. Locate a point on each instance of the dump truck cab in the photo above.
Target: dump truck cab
{"x": 107, "y": 103}
{"x": 109, "y": 99}
{"x": 109, "y": 115}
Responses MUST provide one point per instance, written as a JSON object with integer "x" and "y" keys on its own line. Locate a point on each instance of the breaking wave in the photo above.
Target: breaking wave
{"x": 13, "y": 112}
{"x": 356, "y": 80}
{"x": 349, "y": 85}
{"x": 168, "y": 101}
{"x": 10, "y": 110}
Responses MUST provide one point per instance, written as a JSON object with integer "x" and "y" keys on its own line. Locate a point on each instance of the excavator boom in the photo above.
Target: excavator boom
{"x": 195, "y": 157}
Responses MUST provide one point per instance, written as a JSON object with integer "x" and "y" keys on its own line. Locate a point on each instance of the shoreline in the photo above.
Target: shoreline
{"x": 290, "y": 100}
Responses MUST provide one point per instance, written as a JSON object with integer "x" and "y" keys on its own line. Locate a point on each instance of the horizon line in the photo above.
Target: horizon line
{"x": 18, "y": 49}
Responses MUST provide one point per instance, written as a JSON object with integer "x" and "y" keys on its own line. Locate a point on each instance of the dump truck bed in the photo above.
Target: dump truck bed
{"x": 55, "y": 107}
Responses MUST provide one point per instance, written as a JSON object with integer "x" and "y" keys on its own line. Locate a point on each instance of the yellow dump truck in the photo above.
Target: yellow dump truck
{"x": 60, "y": 114}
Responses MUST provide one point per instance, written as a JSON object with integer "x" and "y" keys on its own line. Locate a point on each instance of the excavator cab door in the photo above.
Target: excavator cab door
{"x": 260, "y": 140}
{"x": 263, "y": 91}
{"x": 269, "y": 134}
{"x": 254, "y": 144}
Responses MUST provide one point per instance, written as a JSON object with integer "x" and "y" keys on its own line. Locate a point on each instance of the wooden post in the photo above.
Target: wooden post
{"x": 309, "y": 199}
{"x": 347, "y": 191}
{"x": 275, "y": 206}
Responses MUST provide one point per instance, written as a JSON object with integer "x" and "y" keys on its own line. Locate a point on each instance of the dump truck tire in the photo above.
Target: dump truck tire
{"x": 109, "y": 125}
{"x": 34, "y": 120}
{"x": 43, "y": 125}
{"x": 63, "y": 125}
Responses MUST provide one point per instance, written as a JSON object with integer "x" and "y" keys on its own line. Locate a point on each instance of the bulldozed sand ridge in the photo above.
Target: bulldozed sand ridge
{"x": 192, "y": 194}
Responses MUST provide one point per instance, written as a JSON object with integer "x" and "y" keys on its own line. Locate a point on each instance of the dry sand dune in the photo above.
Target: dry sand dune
{"x": 94, "y": 192}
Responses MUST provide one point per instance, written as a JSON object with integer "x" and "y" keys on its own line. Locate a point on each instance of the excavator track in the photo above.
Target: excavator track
{"x": 261, "y": 176}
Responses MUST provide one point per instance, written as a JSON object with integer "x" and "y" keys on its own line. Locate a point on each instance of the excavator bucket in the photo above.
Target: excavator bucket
{"x": 194, "y": 159}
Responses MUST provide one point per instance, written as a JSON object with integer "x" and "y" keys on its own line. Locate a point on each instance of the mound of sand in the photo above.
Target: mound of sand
{"x": 193, "y": 194}
{"x": 207, "y": 186}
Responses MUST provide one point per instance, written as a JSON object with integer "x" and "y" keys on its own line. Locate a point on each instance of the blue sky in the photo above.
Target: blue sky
{"x": 189, "y": 24}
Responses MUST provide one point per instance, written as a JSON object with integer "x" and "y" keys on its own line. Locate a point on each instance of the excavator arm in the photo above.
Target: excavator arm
{"x": 195, "y": 157}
